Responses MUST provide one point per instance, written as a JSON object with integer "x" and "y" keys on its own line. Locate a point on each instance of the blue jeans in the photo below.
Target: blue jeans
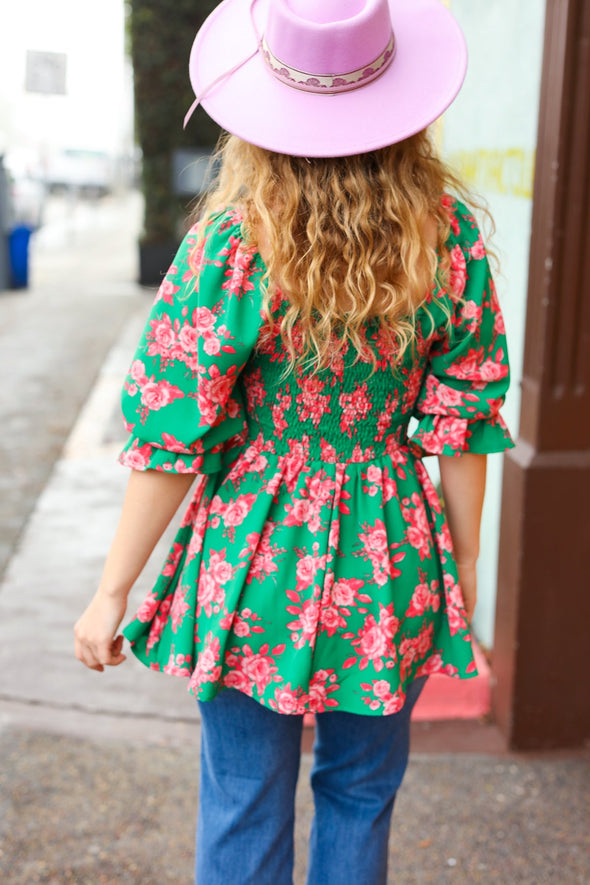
{"x": 249, "y": 766}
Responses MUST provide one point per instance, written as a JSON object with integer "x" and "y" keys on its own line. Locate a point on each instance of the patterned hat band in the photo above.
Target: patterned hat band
{"x": 329, "y": 84}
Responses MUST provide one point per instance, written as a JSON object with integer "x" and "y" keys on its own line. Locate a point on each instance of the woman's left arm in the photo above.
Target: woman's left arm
{"x": 151, "y": 500}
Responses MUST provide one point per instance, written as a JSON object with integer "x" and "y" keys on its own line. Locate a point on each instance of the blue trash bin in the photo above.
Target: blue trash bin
{"x": 18, "y": 250}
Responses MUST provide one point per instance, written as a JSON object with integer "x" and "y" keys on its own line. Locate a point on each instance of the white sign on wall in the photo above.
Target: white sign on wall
{"x": 46, "y": 72}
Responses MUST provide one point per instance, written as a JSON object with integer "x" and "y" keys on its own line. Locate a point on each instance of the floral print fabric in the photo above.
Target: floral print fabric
{"x": 314, "y": 568}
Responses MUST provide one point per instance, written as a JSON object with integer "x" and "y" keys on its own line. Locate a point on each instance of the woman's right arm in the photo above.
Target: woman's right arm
{"x": 463, "y": 482}
{"x": 151, "y": 500}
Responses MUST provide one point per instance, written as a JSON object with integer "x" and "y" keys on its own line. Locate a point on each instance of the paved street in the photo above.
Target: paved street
{"x": 98, "y": 771}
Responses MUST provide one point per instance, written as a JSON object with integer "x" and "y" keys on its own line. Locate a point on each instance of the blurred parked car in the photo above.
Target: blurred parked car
{"x": 84, "y": 171}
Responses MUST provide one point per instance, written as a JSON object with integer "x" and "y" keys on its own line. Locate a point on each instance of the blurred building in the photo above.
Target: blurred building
{"x": 65, "y": 90}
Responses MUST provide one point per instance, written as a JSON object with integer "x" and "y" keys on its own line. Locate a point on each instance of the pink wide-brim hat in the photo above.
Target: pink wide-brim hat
{"x": 327, "y": 78}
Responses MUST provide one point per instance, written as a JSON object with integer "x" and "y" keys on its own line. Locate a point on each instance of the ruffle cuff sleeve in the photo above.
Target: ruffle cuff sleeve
{"x": 141, "y": 455}
{"x": 458, "y": 407}
{"x": 181, "y": 401}
{"x": 443, "y": 435}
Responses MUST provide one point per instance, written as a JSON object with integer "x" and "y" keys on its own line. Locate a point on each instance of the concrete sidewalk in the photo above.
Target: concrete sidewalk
{"x": 93, "y": 812}
{"x": 98, "y": 772}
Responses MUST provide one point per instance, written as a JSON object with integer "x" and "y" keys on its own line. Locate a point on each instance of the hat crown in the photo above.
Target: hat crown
{"x": 328, "y": 37}
{"x": 325, "y": 11}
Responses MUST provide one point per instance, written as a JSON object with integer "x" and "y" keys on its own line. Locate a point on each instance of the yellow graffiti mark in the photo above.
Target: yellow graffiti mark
{"x": 510, "y": 171}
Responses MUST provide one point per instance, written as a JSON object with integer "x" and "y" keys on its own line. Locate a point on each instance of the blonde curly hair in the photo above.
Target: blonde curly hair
{"x": 346, "y": 239}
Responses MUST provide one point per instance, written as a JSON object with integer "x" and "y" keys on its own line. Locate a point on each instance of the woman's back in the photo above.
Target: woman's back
{"x": 316, "y": 546}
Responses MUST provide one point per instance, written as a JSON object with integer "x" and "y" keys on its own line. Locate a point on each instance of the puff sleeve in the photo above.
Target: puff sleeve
{"x": 180, "y": 400}
{"x": 468, "y": 374}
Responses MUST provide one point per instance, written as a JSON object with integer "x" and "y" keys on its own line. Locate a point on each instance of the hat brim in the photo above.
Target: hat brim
{"x": 425, "y": 76}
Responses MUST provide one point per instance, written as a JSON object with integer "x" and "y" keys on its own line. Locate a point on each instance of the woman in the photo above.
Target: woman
{"x": 333, "y": 290}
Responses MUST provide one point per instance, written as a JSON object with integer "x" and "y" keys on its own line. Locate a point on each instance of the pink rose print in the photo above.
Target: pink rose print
{"x": 286, "y": 701}
{"x": 322, "y": 683}
{"x": 294, "y": 462}
{"x": 213, "y": 393}
{"x": 377, "y": 551}
{"x": 259, "y": 668}
{"x": 159, "y": 622}
{"x": 178, "y": 664}
{"x": 374, "y": 641}
{"x": 243, "y": 623}
{"x": 458, "y": 274}
{"x": 304, "y": 628}
{"x": 179, "y": 607}
{"x": 161, "y": 336}
{"x": 312, "y": 404}
{"x": 477, "y": 251}
{"x": 148, "y": 608}
{"x": 232, "y": 512}
{"x": 308, "y": 565}
{"x": 331, "y": 620}
{"x": 428, "y": 490}
{"x": 444, "y": 541}
{"x": 137, "y": 457}
{"x": 137, "y": 372}
{"x": 300, "y": 512}
{"x": 203, "y": 321}
{"x": 499, "y": 327}
{"x": 173, "y": 559}
{"x": 472, "y": 313}
{"x": 473, "y": 367}
{"x": 379, "y": 483}
{"x": 418, "y": 532}
{"x": 424, "y": 597}
{"x": 211, "y": 595}
{"x": 355, "y": 407}
{"x": 196, "y": 542}
{"x": 167, "y": 291}
{"x": 265, "y": 558}
{"x": 345, "y": 592}
{"x": 158, "y": 394}
{"x": 255, "y": 390}
{"x": 440, "y": 398}
{"x": 492, "y": 369}
{"x": 383, "y": 698}
{"x": 238, "y": 273}
{"x": 455, "y": 606}
{"x": 278, "y": 414}
{"x": 208, "y": 668}
{"x": 237, "y": 679}
{"x": 433, "y": 664}
{"x": 448, "y": 203}
{"x": 451, "y": 432}
{"x": 189, "y": 338}
{"x": 338, "y": 600}
{"x": 423, "y": 642}
{"x": 196, "y": 263}
{"x": 372, "y": 645}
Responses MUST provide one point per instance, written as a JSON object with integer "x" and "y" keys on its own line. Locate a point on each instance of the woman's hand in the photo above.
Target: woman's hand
{"x": 96, "y": 641}
{"x": 468, "y": 582}
{"x": 151, "y": 501}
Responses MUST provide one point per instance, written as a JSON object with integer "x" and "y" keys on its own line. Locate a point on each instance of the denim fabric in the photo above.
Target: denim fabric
{"x": 249, "y": 766}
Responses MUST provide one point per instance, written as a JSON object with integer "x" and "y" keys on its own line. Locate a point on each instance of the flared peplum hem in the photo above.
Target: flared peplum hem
{"x": 258, "y": 560}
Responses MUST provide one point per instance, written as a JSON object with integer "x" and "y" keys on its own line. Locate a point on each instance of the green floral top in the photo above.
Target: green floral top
{"x": 314, "y": 567}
